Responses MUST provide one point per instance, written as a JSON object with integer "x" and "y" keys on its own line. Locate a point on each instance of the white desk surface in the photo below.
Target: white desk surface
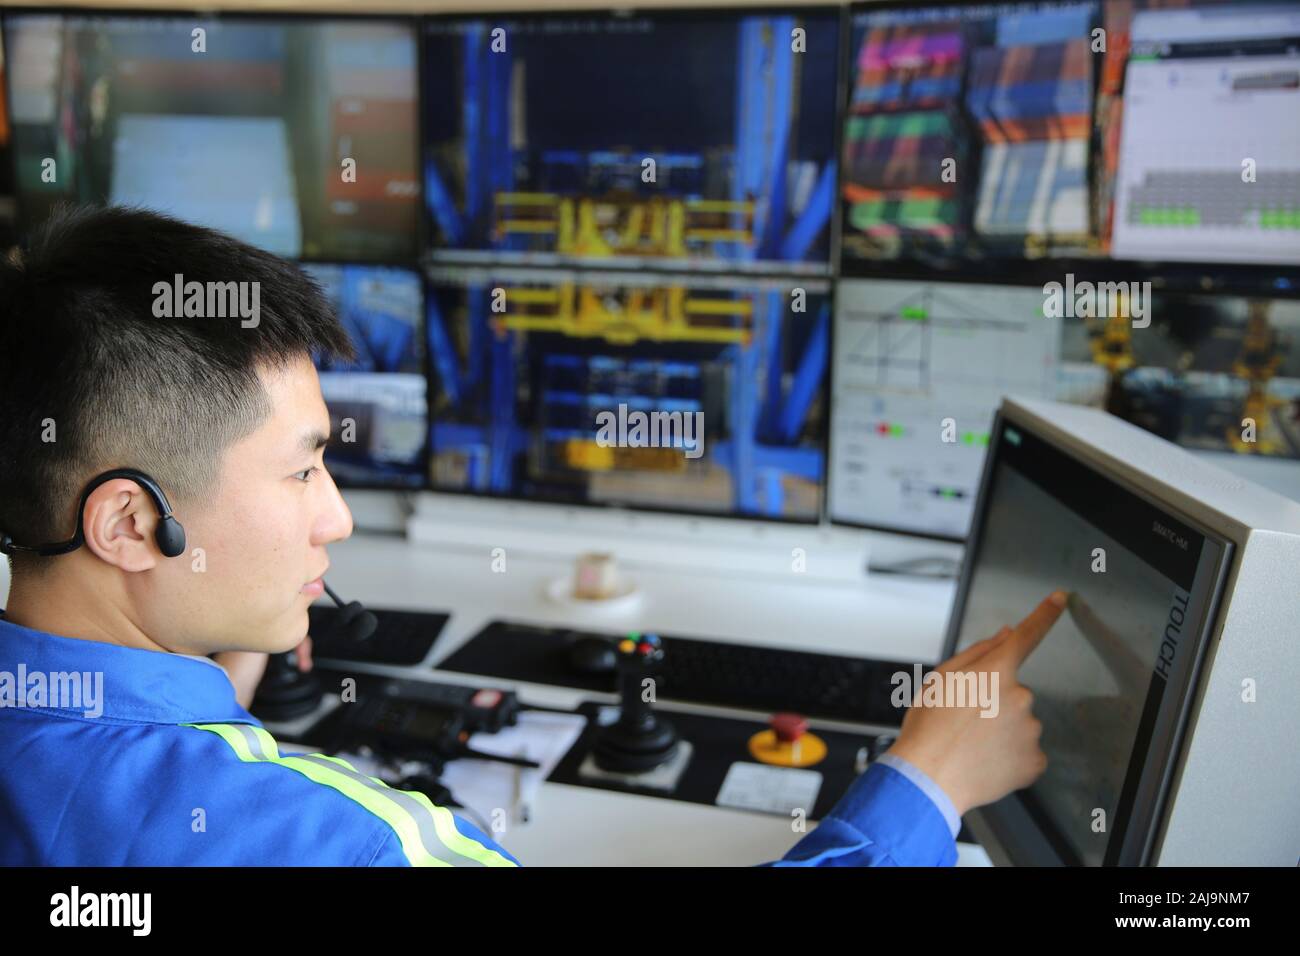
{"x": 882, "y": 616}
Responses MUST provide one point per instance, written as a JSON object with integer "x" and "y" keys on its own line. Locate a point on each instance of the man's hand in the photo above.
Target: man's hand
{"x": 245, "y": 669}
{"x": 974, "y": 759}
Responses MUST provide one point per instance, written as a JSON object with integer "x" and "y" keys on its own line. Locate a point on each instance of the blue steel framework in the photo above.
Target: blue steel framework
{"x": 764, "y": 423}
{"x": 385, "y": 341}
{"x": 763, "y": 427}
{"x": 764, "y": 118}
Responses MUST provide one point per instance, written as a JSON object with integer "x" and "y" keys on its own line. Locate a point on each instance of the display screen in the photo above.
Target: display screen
{"x": 920, "y": 368}
{"x": 377, "y": 403}
{"x": 687, "y": 140}
{"x": 686, "y": 393}
{"x": 1109, "y": 676}
{"x": 1012, "y": 136}
{"x": 298, "y": 136}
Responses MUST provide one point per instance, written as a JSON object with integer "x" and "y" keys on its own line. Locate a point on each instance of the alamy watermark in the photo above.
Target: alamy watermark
{"x": 946, "y": 689}
{"x": 1102, "y": 300}
{"x": 133, "y": 911}
{"x": 62, "y": 690}
{"x": 654, "y": 429}
{"x": 208, "y": 300}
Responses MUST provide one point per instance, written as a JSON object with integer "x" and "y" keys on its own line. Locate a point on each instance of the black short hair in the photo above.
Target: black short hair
{"x": 85, "y": 361}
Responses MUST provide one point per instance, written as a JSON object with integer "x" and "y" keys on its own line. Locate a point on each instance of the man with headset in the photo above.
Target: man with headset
{"x": 163, "y": 500}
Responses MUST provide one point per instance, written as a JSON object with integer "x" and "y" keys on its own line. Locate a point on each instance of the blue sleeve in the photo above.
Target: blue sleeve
{"x": 884, "y": 819}
{"x": 928, "y": 787}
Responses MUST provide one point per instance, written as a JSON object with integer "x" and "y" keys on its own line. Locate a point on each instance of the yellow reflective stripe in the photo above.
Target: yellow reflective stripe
{"x": 269, "y": 743}
{"x": 444, "y": 820}
{"x": 338, "y": 760}
{"x": 345, "y": 765}
{"x": 445, "y": 823}
{"x": 230, "y": 736}
{"x": 391, "y": 806}
{"x": 405, "y": 828}
{"x": 269, "y": 746}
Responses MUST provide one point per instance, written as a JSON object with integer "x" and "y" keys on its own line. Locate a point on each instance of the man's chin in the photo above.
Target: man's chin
{"x": 293, "y": 633}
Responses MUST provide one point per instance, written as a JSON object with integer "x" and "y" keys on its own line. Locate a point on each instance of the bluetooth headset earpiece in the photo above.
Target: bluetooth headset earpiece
{"x": 169, "y": 534}
{"x": 357, "y": 622}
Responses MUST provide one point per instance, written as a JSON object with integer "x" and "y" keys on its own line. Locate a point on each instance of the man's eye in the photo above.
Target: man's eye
{"x": 306, "y": 473}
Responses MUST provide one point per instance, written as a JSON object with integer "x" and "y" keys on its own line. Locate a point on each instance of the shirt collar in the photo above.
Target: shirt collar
{"x": 138, "y": 685}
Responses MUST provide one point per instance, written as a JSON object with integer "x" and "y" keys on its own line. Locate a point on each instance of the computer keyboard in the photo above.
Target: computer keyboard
{"x": 771, "y": 679}
{"x": 403, "y": 637}
{"x": 743, "y": 676}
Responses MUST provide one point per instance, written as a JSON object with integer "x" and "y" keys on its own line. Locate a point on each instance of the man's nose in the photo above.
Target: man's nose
{"x": 335, "y": 522}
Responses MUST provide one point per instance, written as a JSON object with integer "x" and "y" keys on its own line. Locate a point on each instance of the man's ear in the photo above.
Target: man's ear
{"x": 118, "y": 522}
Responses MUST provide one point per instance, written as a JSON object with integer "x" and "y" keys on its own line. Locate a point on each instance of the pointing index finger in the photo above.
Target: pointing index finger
{"x": 977, "y": 650}
{"x": 1030, "y": 632}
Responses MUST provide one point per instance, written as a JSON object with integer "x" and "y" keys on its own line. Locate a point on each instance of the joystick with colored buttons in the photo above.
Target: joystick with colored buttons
{"x": 639, "y": 740}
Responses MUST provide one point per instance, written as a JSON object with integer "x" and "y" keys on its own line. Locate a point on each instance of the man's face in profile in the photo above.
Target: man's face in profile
{"x": 263, "y": 533}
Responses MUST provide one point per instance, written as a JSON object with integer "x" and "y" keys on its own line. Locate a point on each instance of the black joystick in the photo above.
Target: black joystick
{"x": 640, "y": 740}
{"x": 287, "y": 692}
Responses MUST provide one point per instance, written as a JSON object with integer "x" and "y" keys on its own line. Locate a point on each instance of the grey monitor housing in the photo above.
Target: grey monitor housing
{"x": 1222, "y": 786}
